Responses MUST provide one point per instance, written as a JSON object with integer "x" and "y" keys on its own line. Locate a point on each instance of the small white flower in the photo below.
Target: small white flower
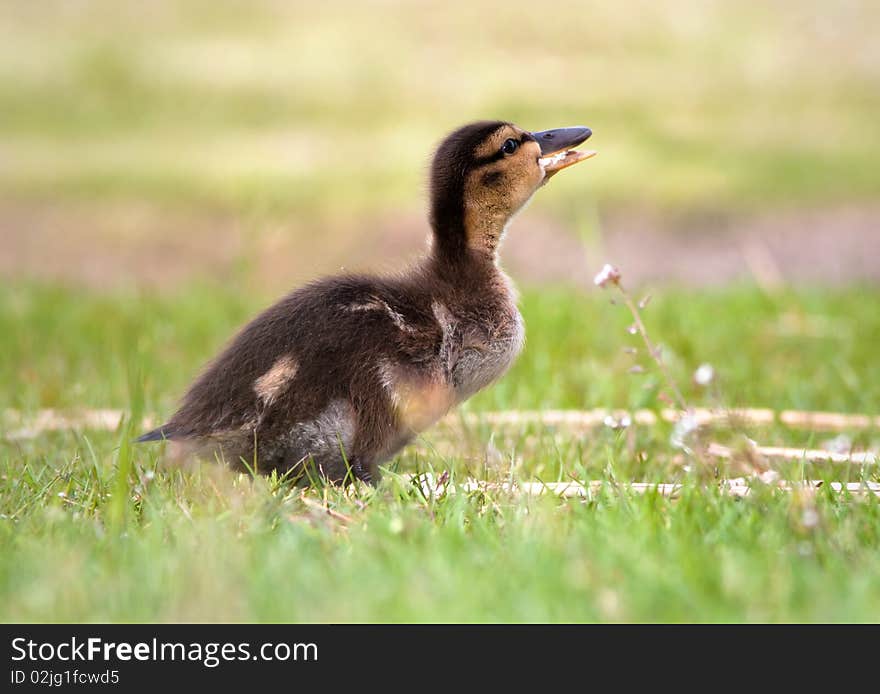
{"x": 810, "y": 518}
{"x": 607, "y": 275}
{"x": 681, "y": 432}
{"x": 839, "y": 444}
{"x": 624, "y": 422}
{"x": 770, "y": 476}
{"x": 704, "y": 374}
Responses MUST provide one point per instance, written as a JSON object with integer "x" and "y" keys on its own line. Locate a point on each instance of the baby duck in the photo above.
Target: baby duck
{"x": 341, "y": 374}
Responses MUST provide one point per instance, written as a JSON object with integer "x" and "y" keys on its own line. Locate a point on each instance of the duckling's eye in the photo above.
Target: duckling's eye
{"x": 510, "y": 145}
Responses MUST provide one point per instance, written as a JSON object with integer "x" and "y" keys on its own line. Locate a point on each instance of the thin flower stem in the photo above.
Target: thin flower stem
{"x": 652, "y": 350}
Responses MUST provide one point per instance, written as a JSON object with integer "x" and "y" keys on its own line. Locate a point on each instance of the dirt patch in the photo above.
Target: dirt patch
{"x": 142, "y": 245}
{"x": 114, "y": 245}
{"x": 838, "y": 245}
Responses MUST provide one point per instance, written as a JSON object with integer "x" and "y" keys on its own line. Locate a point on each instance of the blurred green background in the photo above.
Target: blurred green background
{"x": 271, "y": 141}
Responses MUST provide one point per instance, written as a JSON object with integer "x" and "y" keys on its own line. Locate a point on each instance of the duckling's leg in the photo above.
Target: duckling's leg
{"x": 362, "y": 470}
{"x": 377, "y": 431}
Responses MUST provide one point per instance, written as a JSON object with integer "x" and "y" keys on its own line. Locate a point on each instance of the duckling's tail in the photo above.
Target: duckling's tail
{"x": 161, "y": 433}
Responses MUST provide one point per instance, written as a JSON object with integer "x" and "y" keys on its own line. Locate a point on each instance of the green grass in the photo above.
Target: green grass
{"x": 92, "y": 528}
{"x": 323, "y": 115}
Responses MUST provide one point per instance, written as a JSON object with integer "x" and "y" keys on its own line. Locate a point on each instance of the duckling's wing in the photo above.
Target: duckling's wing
{"x": 317, "y": 344}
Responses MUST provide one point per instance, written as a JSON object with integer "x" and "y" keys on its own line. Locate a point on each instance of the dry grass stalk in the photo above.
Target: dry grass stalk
{"x": 827, "y": 421}
{"x": 19, "y": 425}
{"x": 323, "y": 508}
{"x": 593, "y": 418}
{"x": 798, "y": 454}
{"x": 737, "y": 487}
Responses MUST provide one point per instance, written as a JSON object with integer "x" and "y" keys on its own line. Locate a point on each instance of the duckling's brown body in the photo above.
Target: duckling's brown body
{"x": 345, "y": 371}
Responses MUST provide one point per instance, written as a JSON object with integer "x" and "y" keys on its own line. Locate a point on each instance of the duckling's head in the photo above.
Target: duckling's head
{"x": 484, "y": 173}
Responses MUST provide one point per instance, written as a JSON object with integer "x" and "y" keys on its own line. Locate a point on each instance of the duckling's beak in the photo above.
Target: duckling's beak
{"x": 556, "y": 148}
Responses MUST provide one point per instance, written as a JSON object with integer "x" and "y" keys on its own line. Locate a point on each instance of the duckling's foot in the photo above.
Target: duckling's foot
{"x": 362, "y": 471}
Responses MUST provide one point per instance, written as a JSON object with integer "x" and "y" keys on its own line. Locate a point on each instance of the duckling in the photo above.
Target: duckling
{"x": 341, "y": 374}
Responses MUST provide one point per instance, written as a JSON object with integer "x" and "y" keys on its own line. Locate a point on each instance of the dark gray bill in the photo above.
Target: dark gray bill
{"x": 560, "y": 139}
